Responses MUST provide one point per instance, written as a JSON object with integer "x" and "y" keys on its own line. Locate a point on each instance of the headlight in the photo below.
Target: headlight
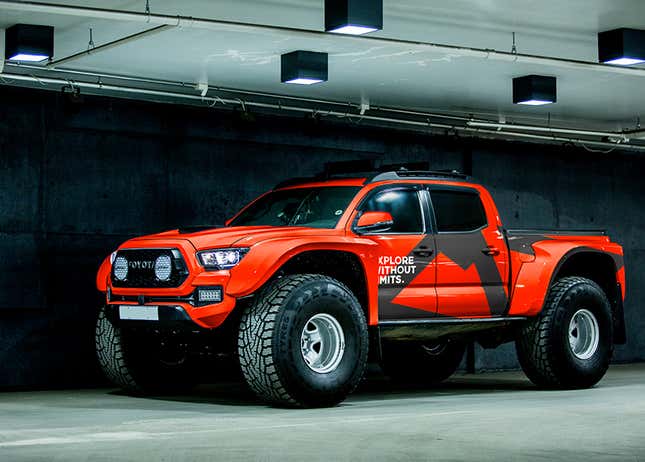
{"x": 221, "y": 258}
{"x": 120, "y": 268}
{"x": 163, "y": 267}
{"x": 112, "y": 257}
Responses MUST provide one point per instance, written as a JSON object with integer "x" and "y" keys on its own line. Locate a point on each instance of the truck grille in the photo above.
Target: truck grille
{"x": 141, "y": 272}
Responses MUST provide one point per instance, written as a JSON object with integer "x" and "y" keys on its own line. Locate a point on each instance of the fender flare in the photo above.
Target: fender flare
{"x": 575, "y": 251}
{"x": 247, "y": 279}
{"x": 534, "y": 279}
{"x": 615, "y": 294}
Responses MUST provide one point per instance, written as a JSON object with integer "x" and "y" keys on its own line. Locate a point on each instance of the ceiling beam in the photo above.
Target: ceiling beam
{"x": 109, "y": 45}
{"x": 206, "y": 23}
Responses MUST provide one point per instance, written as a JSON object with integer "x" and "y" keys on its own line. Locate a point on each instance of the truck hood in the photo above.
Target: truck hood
{"x": 240, "y": 236}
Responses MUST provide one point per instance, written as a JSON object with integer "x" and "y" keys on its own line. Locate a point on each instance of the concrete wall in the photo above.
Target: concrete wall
{"x": 76, "y": 180}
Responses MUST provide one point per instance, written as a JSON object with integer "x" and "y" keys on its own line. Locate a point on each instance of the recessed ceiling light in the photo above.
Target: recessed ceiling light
{"x": 352, "y": 30}
{"x": 535, "y": 102}
{"x": 534, "y": 90}
{"x": 303, "y": 67}
{"x": 354, "y": 17}
{"x": 27, "y": 57}
{"x": 622, "y": 47}
{"x": 303, "y": 81}
{"x": 28, "y": 42}
{"x": 625, "y": 61}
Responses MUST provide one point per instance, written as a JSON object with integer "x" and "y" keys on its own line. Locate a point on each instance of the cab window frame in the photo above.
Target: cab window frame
{"x": 422, "y": 201}
{"x": 458, "y": 189}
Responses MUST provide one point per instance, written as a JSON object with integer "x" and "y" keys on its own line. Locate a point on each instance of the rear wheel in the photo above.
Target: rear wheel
{"x": 570, "y": 344}
{"x": 303, "y": 342}
{"x": 141, "y": 363}
{"x": 427, "y": 363}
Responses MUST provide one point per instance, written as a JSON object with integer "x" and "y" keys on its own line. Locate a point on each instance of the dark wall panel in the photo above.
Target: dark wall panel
{"x": 76, "y": 180}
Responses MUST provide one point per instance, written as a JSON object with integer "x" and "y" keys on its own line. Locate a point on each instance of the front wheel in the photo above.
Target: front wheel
{"x": 303, "y": 342}
{"x": 570, "y": 344}
{"x": 142, "y": 364}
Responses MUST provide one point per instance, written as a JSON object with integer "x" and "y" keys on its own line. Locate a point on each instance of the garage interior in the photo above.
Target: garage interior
{"x": 153, "y": 115}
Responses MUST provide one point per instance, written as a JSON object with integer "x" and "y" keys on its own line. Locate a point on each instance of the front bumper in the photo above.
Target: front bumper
{"x": 204, "y": 314}
{"x": 207, "y": 315}
{"x": 168, "y": 315}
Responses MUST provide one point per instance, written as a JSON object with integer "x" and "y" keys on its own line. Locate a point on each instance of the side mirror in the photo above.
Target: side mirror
{"x": 374, "y": 222}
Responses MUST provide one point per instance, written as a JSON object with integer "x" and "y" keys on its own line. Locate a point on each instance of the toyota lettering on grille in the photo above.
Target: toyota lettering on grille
{"x": 138, "y": 264}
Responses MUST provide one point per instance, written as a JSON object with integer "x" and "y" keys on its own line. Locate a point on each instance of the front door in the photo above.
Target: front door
{"x": 406, "y": 270}
{"x": 472, "y": 258}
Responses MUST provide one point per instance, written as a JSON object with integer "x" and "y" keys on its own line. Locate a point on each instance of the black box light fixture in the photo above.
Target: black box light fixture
{"x": 353, "y": 17}
{"x": 534, "y": 90}
{"x": 623, "y": 47}
{"x": 304, "y": 67}
{"x": 28, "y": 42}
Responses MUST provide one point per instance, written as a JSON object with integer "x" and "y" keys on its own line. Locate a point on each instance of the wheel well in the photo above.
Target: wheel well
{"x": 346, "y": 267}
{"x": 597, "y": 266}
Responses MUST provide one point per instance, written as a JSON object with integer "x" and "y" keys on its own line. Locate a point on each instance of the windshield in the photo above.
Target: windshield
{"x": 314, "y": 207}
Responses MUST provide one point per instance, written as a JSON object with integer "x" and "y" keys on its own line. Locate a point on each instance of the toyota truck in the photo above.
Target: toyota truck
{"x": 397, "y": 264}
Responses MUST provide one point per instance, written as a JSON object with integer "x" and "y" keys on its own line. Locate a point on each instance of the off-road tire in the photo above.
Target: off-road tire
{"x": 421, "y": 364}
{"x": 543, "y": 347}
{"x": 132, "y": 364}
{"x": 270, "y": 334}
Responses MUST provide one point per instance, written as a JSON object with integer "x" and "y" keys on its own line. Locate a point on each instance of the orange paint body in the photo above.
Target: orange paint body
{"x": 483, "y": 273}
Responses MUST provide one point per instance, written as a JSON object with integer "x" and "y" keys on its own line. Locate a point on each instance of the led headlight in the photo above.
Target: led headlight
{"x": 163, "y": 267}
{"x": 120, "y": 268}
{"x": 221, "y": 258}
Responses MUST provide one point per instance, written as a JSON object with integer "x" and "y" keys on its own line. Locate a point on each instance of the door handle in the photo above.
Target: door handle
{"x": 422, "y": 252}
{"x": 491, "y": 251}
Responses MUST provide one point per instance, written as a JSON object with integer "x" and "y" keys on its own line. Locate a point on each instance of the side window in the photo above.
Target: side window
{"x": 403, "y": 205}
{"x": 458, "y": 210}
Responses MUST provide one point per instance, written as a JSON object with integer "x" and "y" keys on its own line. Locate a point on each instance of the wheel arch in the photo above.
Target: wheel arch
{"x": 599, "y": 267}
{"x": 342, "y": 265}
{"x": 588, "y": 263}
{"x": 554, "y": 260}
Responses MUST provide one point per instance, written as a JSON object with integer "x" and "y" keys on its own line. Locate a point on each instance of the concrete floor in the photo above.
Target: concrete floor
{"x": 493, "y": 416}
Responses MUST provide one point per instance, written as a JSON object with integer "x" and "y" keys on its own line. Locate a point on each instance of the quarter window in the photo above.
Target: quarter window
{"x": 458, "y": 210}
{"x": 403, "y": 205}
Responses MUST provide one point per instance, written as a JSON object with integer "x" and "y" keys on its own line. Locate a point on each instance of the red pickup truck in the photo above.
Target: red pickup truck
{"x": 403, "y": 265}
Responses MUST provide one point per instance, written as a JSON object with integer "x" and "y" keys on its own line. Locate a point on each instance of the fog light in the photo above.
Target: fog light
{"x": 206, "y": 295}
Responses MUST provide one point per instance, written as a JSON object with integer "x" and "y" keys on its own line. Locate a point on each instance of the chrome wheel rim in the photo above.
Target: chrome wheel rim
{"x": 322, "y": 343}
{"x": 584, "y": 334}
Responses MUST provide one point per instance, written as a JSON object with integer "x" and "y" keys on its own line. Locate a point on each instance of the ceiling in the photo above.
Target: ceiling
{"x": 391, "y": 74}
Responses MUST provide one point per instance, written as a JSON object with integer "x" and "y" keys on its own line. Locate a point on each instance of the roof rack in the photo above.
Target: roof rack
{"x": 367, "y": 168}
{"x": 421, "y": 174}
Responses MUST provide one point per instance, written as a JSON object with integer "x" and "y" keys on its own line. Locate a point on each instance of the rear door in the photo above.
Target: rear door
{"x": 406, "y": 270}
{"x": 472, "y": 258}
